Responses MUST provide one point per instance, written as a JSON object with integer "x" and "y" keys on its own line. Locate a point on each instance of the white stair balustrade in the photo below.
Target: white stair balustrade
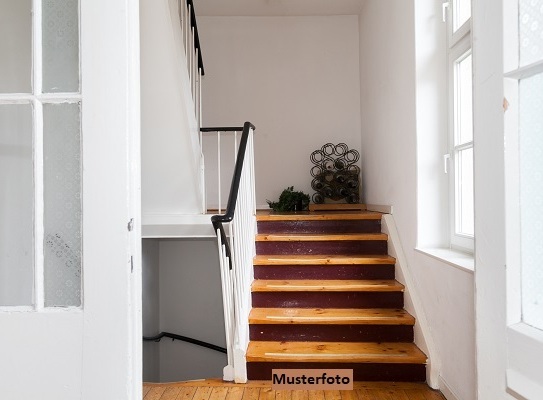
{"x": 236, "y": 254}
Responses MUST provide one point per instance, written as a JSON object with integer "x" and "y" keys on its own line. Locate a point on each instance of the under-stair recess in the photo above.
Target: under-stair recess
{"x": 324, "y": 296}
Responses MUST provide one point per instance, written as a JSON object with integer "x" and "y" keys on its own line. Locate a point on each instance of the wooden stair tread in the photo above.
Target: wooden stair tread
{"x": 306, "y": 237}
{"x": 322, "y": 259}
{"x": 328, "y": 316}
{"x": 347, "y": 352}
{"x": 337, "y": 207}
{"x": 311, "y": 216}
{"x": 317, "y": 285}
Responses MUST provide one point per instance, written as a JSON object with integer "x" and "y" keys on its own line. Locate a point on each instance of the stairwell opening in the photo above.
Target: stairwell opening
{"x": 182, "y": 295}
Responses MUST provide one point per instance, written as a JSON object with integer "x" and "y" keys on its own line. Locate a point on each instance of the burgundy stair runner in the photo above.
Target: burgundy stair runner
{"x": 324, "y": 296}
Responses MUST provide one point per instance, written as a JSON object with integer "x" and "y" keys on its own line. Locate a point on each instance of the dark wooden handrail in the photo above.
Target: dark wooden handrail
{"x": 228, "y": 216}
{"x": 222, "y": 129}
{"x": 187, "y": 339}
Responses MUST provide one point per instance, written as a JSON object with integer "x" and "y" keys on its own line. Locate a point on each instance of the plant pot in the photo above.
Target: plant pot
{"x": 298, "y": 206}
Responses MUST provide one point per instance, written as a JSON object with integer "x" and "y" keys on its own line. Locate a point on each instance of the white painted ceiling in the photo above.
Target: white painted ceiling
{"x": 276, "y": 7}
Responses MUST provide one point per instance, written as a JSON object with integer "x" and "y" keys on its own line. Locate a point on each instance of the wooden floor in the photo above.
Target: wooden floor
{"x": 211, "y": 389}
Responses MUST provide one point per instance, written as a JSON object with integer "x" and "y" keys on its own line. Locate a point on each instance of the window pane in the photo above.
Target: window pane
{"x": 531, "y": 31}
{"x": 16, "y": 206}
{"x": 60, "y": 46}
{"x": 15, "y": 46}
{"x": 462, "y": 12}
{"x": 463, "y": 102}
{"x": 464, "y": 190}
{"x": 62, "y": 191}
{"x": 531, "y": 198}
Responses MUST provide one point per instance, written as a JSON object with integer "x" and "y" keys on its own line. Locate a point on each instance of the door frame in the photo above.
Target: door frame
{"x": 110, "y": 44}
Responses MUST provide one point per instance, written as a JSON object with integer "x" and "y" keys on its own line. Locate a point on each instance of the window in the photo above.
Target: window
{"x": 459, "y": 160}
{"x": 40, "y": 154}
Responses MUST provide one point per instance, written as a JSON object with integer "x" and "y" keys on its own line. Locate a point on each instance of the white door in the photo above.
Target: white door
{"x": 70, "y": 290}
{"x": 523, "y": 65}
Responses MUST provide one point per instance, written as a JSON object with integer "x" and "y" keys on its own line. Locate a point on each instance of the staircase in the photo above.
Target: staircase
{"x": 324, "y": 296}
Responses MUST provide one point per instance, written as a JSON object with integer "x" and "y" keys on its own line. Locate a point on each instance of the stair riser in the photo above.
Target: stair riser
{"x": 361, "y": 372}
{"x": 320, "y": 227}
{"x": 293, "y": 272}
{"x": 331, "y": 333}
{"x": 328, "y": 299}
{"x": 344, "y": 247}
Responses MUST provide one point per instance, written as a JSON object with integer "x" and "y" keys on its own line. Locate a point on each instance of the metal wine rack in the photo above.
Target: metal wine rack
{"x": 335, "y": 174}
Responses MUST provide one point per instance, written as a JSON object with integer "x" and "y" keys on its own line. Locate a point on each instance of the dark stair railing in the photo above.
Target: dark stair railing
{"x": 228, "y": 216}
{"x": 187, "y": 339}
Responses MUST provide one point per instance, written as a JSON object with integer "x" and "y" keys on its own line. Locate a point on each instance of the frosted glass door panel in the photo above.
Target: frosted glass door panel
{"x": 531, "y": 198}
{"x": 16, "y": 206}
{"x": 62, "y": 187}
{"x": 60, "y": 46}
{"x": 531, "y": 31}
{"x": 15, "y": 46}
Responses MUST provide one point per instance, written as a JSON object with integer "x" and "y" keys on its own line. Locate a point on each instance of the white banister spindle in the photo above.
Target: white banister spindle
{"x": 185, "y": 28}
{"x": 219, "y": 183}
{"x": 190, "y": 58}
{"x": 181, "y": 4}
{"x": 200, "y": 98}
{"x": 197, "y": 107}
{"x": 235, "y": 144}
{"x": 194, "y": 69}
{"x": 187, "y": 33}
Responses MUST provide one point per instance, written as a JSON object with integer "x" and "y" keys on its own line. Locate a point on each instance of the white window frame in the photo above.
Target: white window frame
{"x": 459, "y": 46}
{"x": 524, "y": 342}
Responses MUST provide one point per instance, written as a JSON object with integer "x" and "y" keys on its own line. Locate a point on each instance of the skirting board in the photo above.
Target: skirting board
{"x": 446, "y": 390}
{"x": 413, "y": 303}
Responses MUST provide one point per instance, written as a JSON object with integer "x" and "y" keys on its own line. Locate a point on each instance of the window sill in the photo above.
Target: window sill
{"x": 454, "y": 258}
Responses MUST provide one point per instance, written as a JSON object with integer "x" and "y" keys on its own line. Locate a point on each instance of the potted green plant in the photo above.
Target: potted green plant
{"x": 290, "y": 200}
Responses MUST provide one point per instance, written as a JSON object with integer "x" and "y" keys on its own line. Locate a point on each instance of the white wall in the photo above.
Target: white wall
{"x": 432, "y": 123}
{"x": 170, "y": 149}
{"x": 389, "y": 67}
{"x": 295, "y": 78}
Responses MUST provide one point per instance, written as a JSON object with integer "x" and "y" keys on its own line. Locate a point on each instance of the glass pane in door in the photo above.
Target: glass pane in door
{"x": 62, "y": 202}
{"x": 16, "y": 206}
{"x": 60, "y": 46}
{"x": 530, "y": 31}
{"x": 15, "y": 46}
{"x": 531, "y": 198}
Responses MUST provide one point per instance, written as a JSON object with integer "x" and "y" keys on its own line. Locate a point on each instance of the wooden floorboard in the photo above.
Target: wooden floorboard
{"x": 216, "y": 389}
